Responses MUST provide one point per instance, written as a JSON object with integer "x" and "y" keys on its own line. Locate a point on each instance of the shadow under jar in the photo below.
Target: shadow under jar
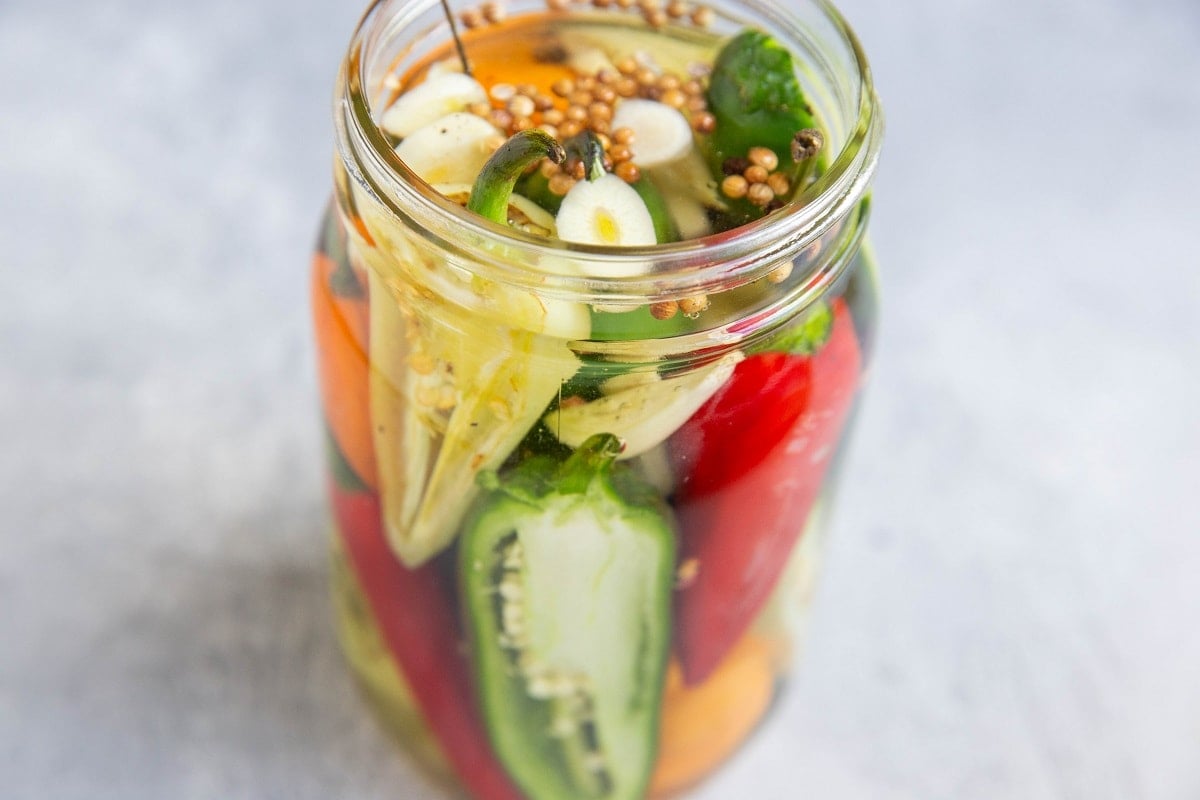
{"x": 578, "y": 490}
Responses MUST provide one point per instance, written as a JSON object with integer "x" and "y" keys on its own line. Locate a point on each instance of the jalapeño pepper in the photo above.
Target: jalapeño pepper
{"x": 566, "y": 572}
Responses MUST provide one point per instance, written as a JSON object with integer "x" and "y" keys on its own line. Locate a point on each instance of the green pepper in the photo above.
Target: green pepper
{"x": 757, "y": 101}
{"x": 756, "y": 98}
{"x": 566, "y": 569}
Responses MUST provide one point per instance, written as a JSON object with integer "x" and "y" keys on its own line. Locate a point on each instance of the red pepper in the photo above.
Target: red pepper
{"x": 753, "y": 460}
{"x": 416, "y": 614}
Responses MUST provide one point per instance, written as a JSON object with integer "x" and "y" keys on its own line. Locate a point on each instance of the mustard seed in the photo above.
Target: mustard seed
{"x": 702, "y": 16}
{"x": 704, "y": 122}
{"x": 764, "y": 157}
{"x": 693, "y": 305}
{"x": 501, "y": 118}
{"x": 521, "y": 106}
{"x": 755, "y": 174}
{"x": 664, "y": 309}
{"x": 600, "y": 111}
{"x": 677, "y": 9}
{"x": 493, "y": 12}
{"x": 780, "y": 273}
{"x": 503, "y": 92}
{"x": 628, "y": 172}
{"x": 623, "y": 135}
{"x": 760, "y": 194}
{"x": 779, "y": 183}
{"x": 560, "y": 184}
{"x": 674, "y": 98}
{"x": 553, "y": 116}
{"x": 735, "y": 186}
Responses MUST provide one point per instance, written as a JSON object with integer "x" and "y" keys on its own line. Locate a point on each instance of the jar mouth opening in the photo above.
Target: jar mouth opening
{"x": 700, "y": 264}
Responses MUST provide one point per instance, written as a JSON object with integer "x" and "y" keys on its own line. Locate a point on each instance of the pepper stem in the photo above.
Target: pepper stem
{"x": 587, "y": 148}
{"x": 594, "y": 457}
{"x": 494, "y": 186}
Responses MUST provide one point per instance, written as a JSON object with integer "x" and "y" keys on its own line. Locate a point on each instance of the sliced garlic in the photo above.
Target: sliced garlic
{"x": 661, "y": 134}
{"x": 452, "y": 149}
{"x": 606, "y": 211}
{"x": 430, "y": 101}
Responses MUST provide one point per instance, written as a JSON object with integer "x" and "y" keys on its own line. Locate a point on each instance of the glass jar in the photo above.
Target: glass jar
{"x": 578, "y": 492}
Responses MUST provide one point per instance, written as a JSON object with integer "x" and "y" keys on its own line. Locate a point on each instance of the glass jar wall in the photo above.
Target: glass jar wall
{"x": 578, "y": 492}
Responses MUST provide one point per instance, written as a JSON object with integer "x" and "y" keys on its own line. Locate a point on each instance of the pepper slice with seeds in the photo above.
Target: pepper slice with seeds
{"x": 566, "y": 569}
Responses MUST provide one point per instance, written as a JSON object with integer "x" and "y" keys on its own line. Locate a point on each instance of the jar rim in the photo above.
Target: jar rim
{"x": 692, "y": 266}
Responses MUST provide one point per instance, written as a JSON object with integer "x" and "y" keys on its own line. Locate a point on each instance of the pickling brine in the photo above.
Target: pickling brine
{"x": 593, "y": 313}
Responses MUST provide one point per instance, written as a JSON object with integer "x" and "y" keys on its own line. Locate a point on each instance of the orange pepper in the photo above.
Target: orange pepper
{"x": 341, "y": 325}
{"x": 703, "y": 725}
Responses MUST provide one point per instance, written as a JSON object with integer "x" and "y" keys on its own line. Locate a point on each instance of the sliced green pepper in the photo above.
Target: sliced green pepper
{"x": 566, "y": 570}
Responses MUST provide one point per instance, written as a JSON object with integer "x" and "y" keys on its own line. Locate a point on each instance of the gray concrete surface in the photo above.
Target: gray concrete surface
{"x": 1011, "y": 601}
